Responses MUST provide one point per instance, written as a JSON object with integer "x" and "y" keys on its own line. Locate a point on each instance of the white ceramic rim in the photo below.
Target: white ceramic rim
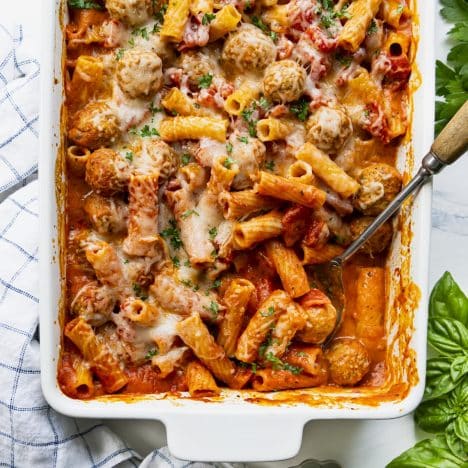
{"x": 232, "y": 430}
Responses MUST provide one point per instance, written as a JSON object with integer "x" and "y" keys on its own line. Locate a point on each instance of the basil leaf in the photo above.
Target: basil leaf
{"x": 429, "y": 453}
{"x": 448, "y": 336}
{"x": 457, "y": 446}
{"x": 435, "y": 415}
{"x": 459, "y": 367}
{"x": 448, "y": 300}
{"x": 438, "y": 378}
{"x": 460, "y": 427}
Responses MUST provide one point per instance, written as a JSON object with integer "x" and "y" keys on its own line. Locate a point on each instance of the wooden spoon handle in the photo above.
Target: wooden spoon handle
{"x": 452, "y": 141}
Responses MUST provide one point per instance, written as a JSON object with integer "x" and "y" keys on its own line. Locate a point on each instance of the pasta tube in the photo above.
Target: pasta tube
{"x": 102, "y": 361}
{"x": 174, "y": 20}
{"x": 236, "y": 299}
{"x": 240, "y": 99}
{"x": 200, "y": 382}
{"x": 271, "y": 129}
{"x": 328, "y": 170}
{"x": 193, "y": 128}
{"x": 289, "y": 190}
{"x": 289, "y": 268}
{"x": 177, "y": 102}
{"x": 257, "y": 229}
{"x": 317, "y": 255}
{"x": 300, "y": 171}
{"x": 77, "y": 157}
{"x": 226, "y": 21}
{"x": 243, "y": 203}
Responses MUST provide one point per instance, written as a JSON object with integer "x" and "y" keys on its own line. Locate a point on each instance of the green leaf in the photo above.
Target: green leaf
{"x": 85, "y": 5}
{"x": 435, "y": 415}
{"x": 448, "y": 336}
{"x": 438, "y": 379}
{"x": 459, "y": 32}
{"x": 444, "y": 74}
{"x": 457, "y": 446}
{"x": 454, "y": 11}
{"x": 457, "y": 57}
{"x": 429, "y": 453}
{"x": 448, "y": 300}
{"x": 461, "y": 427}
{"x": 459, "y": 367}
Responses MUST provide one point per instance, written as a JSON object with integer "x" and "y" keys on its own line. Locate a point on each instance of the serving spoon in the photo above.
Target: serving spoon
{"x": 451, "y": 143}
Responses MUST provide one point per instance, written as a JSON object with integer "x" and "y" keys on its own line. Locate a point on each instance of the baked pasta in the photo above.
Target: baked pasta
{"x": 217, "y": 153}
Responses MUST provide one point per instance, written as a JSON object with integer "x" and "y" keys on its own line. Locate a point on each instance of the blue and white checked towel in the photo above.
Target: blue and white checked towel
{"x": 32, "y": 433}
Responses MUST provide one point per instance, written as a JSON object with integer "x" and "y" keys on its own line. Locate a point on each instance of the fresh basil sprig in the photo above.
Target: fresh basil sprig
{"x": 444, "y": 410}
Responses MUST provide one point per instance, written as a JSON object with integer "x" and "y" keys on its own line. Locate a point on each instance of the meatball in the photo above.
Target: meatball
{"x": 107, "y": 171}
{"x": 328, "y": 128}
{"x": 132, "y": 12}
{"x": 163, "y": 48}
{"x": 108, "y": 215}
{"x": 94, "y": 304}
{"x": 139, "y": 73}
{"x": 94, "y": 126}
{"x": 349, "y": 361}
{"x": 195, "y": 64}
{"x": 159, "y": 157}
{"x": 284, "y": 81}
{"x": 321, "y": 317}
{"x": 379, "y": 241}
{"x": 248, "y": 49}
{"x": 249, "y": 157}
{"x": 380, "y": 183}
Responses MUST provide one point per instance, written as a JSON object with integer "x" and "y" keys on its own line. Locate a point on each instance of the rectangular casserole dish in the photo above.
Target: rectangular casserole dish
{"x": 247, "y": 425}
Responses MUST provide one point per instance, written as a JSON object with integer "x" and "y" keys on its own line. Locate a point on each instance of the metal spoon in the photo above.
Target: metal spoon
{"x": 451, "y": 143}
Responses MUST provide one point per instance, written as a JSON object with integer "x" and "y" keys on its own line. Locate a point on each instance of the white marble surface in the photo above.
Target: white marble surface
{"x": 369, "y": 444}
{"x": 355, "y": 444}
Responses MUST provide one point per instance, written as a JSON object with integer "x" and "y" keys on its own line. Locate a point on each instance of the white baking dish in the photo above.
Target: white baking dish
{"x": 233, "y": 428}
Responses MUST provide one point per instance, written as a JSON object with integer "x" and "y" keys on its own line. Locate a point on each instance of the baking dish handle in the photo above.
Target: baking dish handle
{"x": 234, "y": 437}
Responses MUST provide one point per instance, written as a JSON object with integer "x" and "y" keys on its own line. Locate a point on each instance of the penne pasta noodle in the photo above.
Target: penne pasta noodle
{"x": 289, "y": 190}
{"x": 200, "y": 382}
{"x": 193, "y": 128}
{"x": 328, "y": 170}
{"x": 235, "y": 298}
{"x": 257, "y": 229}
{"x": 269, "y": 380}
{"x": 289, "y": 268}
{"x": 240, "y": 99}
{"x": 178, "y": 103}
{"x": 102, "y": 361}
{"x": 105, "y": 262}
{"x": 271, "y": 129}
{"x": 354, "y": 31}
{"x": 77, "y": 157}
{"x": 394, "y": 12}
{"x": 236, "y": 205}
{"x": 226, "y": 21}
{"x": 317, "y": 255}
{"x": 174, "y": 20}
{"x": 301, "y": 172}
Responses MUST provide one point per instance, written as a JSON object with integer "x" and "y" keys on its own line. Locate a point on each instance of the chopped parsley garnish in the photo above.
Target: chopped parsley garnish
{"x": 189, "y": 284}
{"x": 263, "y": 103}
{"x": 159, "y": 15}
{"x": 129, "y": 156}
{"x": 301, "y": 354}
{"x": 269, "y": 165}
{"x": 400, "y": 8}
{"x": 344, "y": 59}
{"x": 175, "y": 261}
{"x": 268, "y": 313}
{"x": 243, "y": 139}
{"x": 213, "y": 232}
{"x": 185, "y": 159}
{"x": 173, "y": 234}
{"x": 208, "y": 18}
{"x": 146, "y": 131}
{"x": 216, "y": 284}
{"x": 131, "y": 42}
{"x": 138, "y": 291}
{"x": 256, "y": 21}
{"x": 372, "y": 29}
{"x": 300, "y": 109}
{"x": 126, "y": 261}
{"x": 187, "y": 263}
{"x": 84, "y": 5}
{"x": 141, "y": 32}
{"x": 254, "y": 367}
{"x": 214, "y": 308}
{"x": 214, "y": 254}
{"x": 154, "y": 109}
{"x": 228, "y": 162}
{"x": 188, "y": 213}
{"x": 205, "y": 81}
{"x": 278, "y": 364}
{"x": 119, "y": 54}
{"x": 151, "y": 353}
{"x": 251, "y": 123}
{"x": 229, "y": 147}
